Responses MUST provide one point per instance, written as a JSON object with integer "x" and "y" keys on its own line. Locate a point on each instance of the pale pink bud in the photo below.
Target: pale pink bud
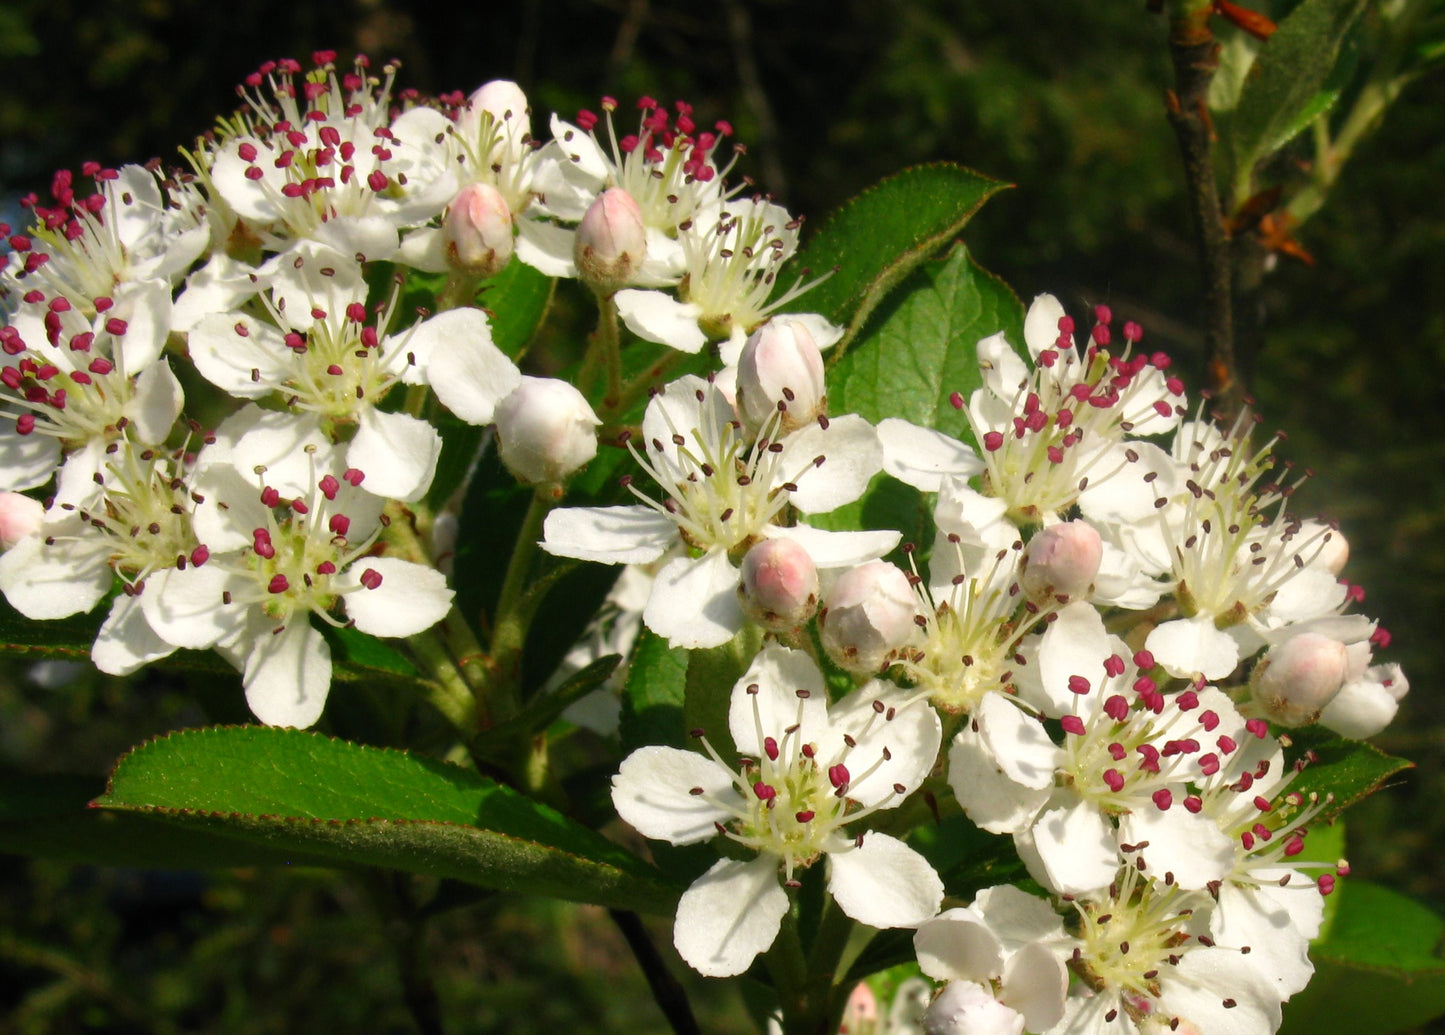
{"x": 781, "y": 370}
{"x": 545, "y": 430}
{"x": 966, "y": 1008}
{"x": 19, "y": 516}
{"x": 1299, "y": 677}
{"x": 779, "y": 588}
{"x": 478, "y": 231}
{"x": 861, "y": 1013}
{"x": 611, "y": 242}
{"x": 1062, "y": 560}
{"x": 868, "y": 616}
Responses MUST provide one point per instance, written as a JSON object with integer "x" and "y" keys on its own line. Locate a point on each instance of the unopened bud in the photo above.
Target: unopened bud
{"x": 19, "y": 516}
{"x": 611, "y": 242}
{"x": 965, "y": 1008}
{"x": 868, "y": 616}
{"x": 779, "y": 588}
{"x": 545, "y": 430}
{"x": 1299, "y": 677}
{"x": 781, "y": 371}
{"x": 1062, "y": 560}
{"x": 478, "y": 231}
{"x": 861, "y": 1012}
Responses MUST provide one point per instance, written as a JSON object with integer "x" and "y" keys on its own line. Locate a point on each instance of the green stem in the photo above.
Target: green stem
{"x": 449, "y": 691}
{"x": 607, "y": 341}
{"x": 640, "y": 385}
{"x": 789, "y": 970}
{"x": 460, "y": 290}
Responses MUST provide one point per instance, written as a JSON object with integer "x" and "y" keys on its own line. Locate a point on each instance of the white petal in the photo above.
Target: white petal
{"x": 1074, "y": 644}
{"x": 187, "y": 607}
{"x": 239, "y": 354}
{"x": 1041, "y": 325}
{"x": 423, "y": 341}
{"x": 657, "y": 316}
{"x": 1076, "y": 847}
{"x": 146, "y": 309}
{"x": 694, "y": 602}
{"x": 652, "y": 791}
{"x": 1268, "y": 919}
{"x": 289, "y": 446}
{"x": 1018, "y": 919}
{"x": 222, "y": 284}
{"x": 126, "y": 640}
{"x": 548, "y": 249}
{"x": 1198, "y": 987}
{"x": 397, "y": 452}
{"x": 1362, "y": 708}
{"x": 1187, "y": 844}
{"x": 469, "y": 374}
{"x": 75, "y": 483}
{"x": 1018, "y": 742}
{"x": 1187, "y": 647}
{"x": 992, "y": 799}
{"x": 423, "y": 249}
{"x": 611, "y": 535}
{"x": 45, "y": 582}
{"x": 1034, "y": 983}
{"x": 922, "y": 457}
{"x": 288, "y": 675}
{"x": 825, "y": 333}
{"x": 155, "y": 404}
{"x": 26, "y": 460}
{"x": 852, "y": 456}
{"x": 884, "y": 883}
{"x": 904, "y": 747}
{"x": 779, "y": 674}
{"x": 729, "y": 915}
{"x": 957, "y": 945}
{"x": 409, "y": 599}
{"x": 829, "y": 549}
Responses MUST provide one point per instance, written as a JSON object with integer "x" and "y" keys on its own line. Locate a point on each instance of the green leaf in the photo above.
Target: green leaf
{"x": 922, "y": 347}
{"x": 877, "y": 238}
{"x": 655, "y": 694}
{"x": 61, "y": 639}
{"x": 517, "y": 299}
{"x": 49, "y": 817}
{"x": 1347, "y": 770}
{"x": 289, "y": 790}
{"x": 1377, "y": 971}
{"x": 1286, "y": 80}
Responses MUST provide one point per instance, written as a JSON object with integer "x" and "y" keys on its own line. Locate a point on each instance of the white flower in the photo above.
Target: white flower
{"x": 138, "y": 525}
{"x": 75, "y": 384}
{"x": 333, "y": 360}
{"x": 732, "y": 255}
{"x": 286, "y": 540}
{"x": 545, "y": 430}
{"x": 667, "y": 168}
{"x": 323, "y": 159}
{"x": 809, "y": 770}
{"x": 1003, "y": 957}
{"x": 724, "y": 491}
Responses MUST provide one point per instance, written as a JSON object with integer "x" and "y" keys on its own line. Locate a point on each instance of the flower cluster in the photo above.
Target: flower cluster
{"x": 1098, "y": 655}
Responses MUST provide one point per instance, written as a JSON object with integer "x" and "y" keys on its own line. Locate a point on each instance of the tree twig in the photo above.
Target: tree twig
{"x": 1195, "y": 54}
{"x": 670, "y": 996}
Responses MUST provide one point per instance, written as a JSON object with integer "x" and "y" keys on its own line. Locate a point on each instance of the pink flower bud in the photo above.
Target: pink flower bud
{"x": 861, "y": 1013}
{"x": 779, "y": 588}
{"x": 1062, "y": 560}
{"x": 868, "y": 616}
{"x": 1297, "y": 678}
{"x": 19, "y": 516}
{"x": 781, "y": 369}
{"x": 478, "y": 231}
{"x": 545, "y": 430}
{"x": 611, "y": 242}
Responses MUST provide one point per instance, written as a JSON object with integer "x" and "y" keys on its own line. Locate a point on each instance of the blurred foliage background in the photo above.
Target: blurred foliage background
{"x": 1064, "y": 100}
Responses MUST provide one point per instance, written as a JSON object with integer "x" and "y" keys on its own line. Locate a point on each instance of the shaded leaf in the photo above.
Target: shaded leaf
{"x": 877, "y": 238}
{"x": 656, "y": 691}
{"x": 288, "y": 790}
{"x": 1377, "y": 971}
{"x": 922, "y": 346}
{"x": 1346, "y": 769}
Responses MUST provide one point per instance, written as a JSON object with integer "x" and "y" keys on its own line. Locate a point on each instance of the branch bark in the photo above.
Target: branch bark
{"x": 1195, "y": 55}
